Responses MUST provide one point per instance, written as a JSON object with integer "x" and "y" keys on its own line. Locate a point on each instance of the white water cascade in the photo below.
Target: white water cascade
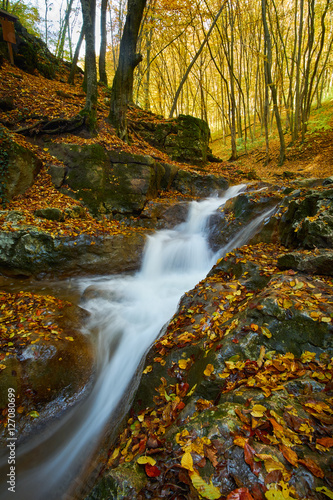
{"x": 128, "y": 314}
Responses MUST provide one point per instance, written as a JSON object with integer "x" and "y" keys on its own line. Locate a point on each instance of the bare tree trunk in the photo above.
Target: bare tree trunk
{"x": 268, "y": 74}
{"x": 62, "y": 36}
{"x": 76, "y": 58}
{"x": 88, "y": 14}
{"x": 102, "y": 51}
{"x": 122, "y": 87}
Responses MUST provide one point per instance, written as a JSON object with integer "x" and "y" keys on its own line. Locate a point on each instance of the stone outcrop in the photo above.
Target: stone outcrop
{"x": 122, "y": 183}
{"x": 240, "y": 368}
{"x": 184, "y": 139}
{"x": 29, "y": 251}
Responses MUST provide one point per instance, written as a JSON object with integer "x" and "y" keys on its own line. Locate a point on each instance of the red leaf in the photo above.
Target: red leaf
{"x": 249, "y": 453}
{"x": 152, "y": 470}
{"x": 240, "y": 494}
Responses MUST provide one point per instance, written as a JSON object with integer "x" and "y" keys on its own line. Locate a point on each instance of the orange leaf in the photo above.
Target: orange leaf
{"x": 312, "y": 467}
{"x": 326, "y": 441}
{"x": 289, "y": 454}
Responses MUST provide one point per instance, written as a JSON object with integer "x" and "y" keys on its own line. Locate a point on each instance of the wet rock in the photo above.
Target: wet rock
{"x": 164, "y": 214}
{"x": 31, "y": 252}
{"x": 241, "y": 217}
{"x": 120, "y": 484}
{"x": 321, "y": 262}
{"x": 211, "y": 370}
{"x": 197, "y": 185}
{"x": 50, "y": 375}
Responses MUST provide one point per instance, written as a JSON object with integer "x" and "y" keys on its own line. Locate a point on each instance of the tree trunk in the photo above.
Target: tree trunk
{"x": 102, "y": 51}
{"x": 268, "y": 74}
{"x": 122, "y": 86}
{"x": 62, "y": 36}
{"x": 88, "y": 14}
{"x": 76, "y": 58}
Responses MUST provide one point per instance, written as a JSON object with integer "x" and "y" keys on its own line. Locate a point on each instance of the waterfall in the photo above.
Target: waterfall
{"x": 128, "y": 314}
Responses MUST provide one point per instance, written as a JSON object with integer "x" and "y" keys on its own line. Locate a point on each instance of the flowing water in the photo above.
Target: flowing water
{"x": 128, "y": 312}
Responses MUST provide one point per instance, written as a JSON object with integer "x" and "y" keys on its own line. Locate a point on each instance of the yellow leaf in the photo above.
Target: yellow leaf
{"x": 266, "y": 332}
{"x": 2, "y": 367}
{"x": 70, "y": 339}
{"x": 287, "y": 304}
{"x": 209, "y": 370}
{"x": 146, "y": 460}
{"x": 326, "y": 319}
{"x": 258, "y": 411}
{"x": 274, "y": 494}
{"x": 34, "y": 414}
{"x": 326, "y": 491}
{"x": 240, "y": 441}
{"x": 308, "y": 356}
{"x": 182, "y": 363}
{"x": 147, "y": 369}
{"x": 205, "y": 490}
{"x": 187, "y": 461}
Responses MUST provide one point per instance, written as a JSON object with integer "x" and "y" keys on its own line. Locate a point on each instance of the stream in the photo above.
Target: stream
{"x": 128, "y": 312}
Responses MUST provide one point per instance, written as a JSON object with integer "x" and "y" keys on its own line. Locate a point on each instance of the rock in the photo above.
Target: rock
{"x": 308, "y": 220}
{"x": 319, "y": 263}
{"x": 120, "y": 183}
{"x": 184, "y": 139}
{"x": 190, "y": 143}
{"x": 161, "y": 214}
{"x": 107, "y": 183}
{"x": 7, "y": 103}
{"x": 50, "y": 214}
{"x": 19, "y": 168}
{"x": 48, "y": 376}
{"x": 193, "y": 184}
{"x": 242, "y": 217}
{"x": 31, "y": 252}
{"x": 247, "y": 339}
{"x": 57, "y": 174}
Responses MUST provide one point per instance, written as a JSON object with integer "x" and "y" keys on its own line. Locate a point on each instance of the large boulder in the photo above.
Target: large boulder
{"x": 18, "y": 168}
{"x": 184, "y": 138}
{"x": 235, "y": 396}
{"x": 29, "y": 251}
{"x": 108, "y": 182}
{"x": 47, "y": 364}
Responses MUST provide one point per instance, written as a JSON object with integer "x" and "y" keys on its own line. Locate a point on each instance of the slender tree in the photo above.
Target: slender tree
{"x": 269, "y": 82}
{"x": 122, "y": 86}
{"x": 102, "y": 51}
{"x": 76, "y": 57}
{"x": 88, "y": 14}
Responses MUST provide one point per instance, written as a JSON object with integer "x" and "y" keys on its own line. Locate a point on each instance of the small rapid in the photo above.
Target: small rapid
{"x": 127, "y": 312}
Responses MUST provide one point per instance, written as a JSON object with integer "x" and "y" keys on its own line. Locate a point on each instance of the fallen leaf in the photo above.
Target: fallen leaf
{"x": 258, "y": 411}
{"x": 146, "y": 460}
{"x": 208, "y": 491}
{"x": 209, "y": 370}
{"x": 312, "y": 467}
